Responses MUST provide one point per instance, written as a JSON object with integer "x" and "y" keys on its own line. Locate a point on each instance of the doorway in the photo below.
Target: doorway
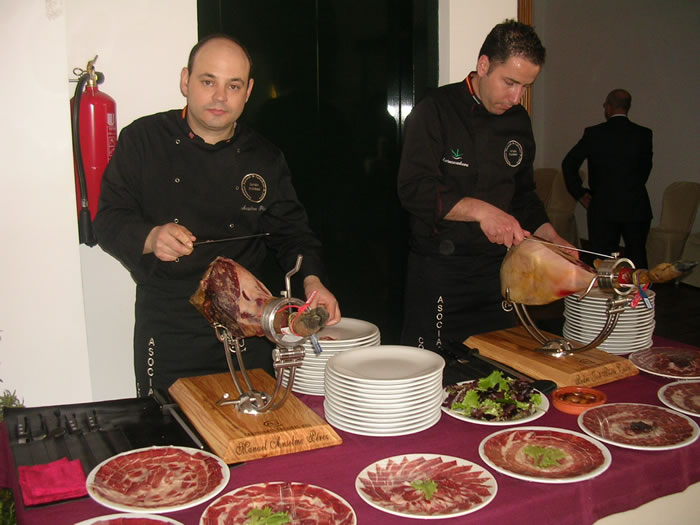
{"x": 334, "y": 82}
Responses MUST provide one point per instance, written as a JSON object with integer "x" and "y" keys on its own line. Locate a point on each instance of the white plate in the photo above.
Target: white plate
{"x": 139, "y": 519}
{"x": 309, "y": 391}
{"x": 540, "y": 410}
{"x": 452, "y": 505}
{"x": 385, "y": 410}
{"x": 385, "y": 386}
{"x": 347, "y": 330}
{"x": 647, "y": 326}
{"x": 386, "y": 364}
{"x": 369, "y": 400}
{"x": 156, "y": 465}
{"x": 598, "y": 296}
{"x": 342, "y": 344}
{"x": 372, "y": 394}
{"x": 377, "y": 422}
{"x": 609, "y": 424}
{"x": 325, "y": 506}
{"x": 518, "y": 465}
{"x": 368, "y": 431}
{"x": 659, "y": 361}
{"x": 683, "y": 396}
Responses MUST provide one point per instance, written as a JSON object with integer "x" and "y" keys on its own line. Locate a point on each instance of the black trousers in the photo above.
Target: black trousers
{"x": 173, "y": 340}
{"x": 449, "y": 298}
{"x": 604, "y": 235}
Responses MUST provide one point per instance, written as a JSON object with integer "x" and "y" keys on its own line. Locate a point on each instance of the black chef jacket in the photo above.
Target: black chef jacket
{"x": 162, "y": 172}
{"x": 455, "y": 148}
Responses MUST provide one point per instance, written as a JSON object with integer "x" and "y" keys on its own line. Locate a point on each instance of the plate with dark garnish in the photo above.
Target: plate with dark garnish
{"x": 668, "y": 361}
{"x": 639, "y": 426}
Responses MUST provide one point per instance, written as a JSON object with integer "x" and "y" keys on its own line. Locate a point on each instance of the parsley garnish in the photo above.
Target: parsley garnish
{"x": 544, "y": 457}
{"x": 426, "y": 486}
{"x": 266, "y": 516}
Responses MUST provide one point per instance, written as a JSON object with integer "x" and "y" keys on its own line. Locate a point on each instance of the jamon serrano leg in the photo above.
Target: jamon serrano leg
{"x": 231, "y": 296}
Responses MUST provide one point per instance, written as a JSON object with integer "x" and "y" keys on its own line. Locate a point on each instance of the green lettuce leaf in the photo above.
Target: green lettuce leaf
{"x": 426, "y": 486}
{"x": 266, "y": 516}
{"x": 545, "y": 457}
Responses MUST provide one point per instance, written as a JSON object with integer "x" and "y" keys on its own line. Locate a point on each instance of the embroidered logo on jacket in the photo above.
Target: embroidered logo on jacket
{"x": 456, "y": 158}
{"x": 513, "y": 154}
{"x": 254, "y": 187}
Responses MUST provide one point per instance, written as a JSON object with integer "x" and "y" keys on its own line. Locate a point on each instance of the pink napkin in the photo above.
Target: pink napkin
{"x": 55, "y": 481}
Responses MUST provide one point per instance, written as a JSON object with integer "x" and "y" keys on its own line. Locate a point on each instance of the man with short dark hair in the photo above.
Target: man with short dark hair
{"x": 619, "y": 155}
{"x": 466, "y": 179}
{"x": 200, "y": 173}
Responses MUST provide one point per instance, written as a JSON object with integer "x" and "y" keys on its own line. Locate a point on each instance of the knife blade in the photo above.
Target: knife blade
{"x": 227, "y": 239}
{"x": 172, "y": 410}
{"x": 564, "y": 247}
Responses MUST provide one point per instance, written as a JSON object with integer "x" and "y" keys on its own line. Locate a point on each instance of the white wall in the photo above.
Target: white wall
{"x": 464, "y": 25}
{"x": 142, "y": 47}
{"x": 59, "y": 298}
{"x": 645, "y": 46}
{"x": 43, "y": 351}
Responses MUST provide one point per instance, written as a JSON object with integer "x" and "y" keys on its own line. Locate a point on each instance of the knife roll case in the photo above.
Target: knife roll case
{"x": 90, "y": 432}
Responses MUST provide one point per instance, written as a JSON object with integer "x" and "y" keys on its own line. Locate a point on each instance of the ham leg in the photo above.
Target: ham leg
{"x": 231, "y": 296}
{"x": 535, "y": 273}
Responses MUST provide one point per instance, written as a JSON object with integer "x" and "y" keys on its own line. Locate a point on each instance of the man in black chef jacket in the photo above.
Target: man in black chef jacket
{"x": 197, "y": 174}
{"x": 466, "y": 179}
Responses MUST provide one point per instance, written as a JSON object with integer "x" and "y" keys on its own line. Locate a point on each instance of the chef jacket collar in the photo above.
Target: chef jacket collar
{"x": 199, "y": 141}
{"x": 470, "y": 87}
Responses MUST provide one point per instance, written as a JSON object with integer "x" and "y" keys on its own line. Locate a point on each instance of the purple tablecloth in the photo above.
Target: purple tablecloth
{"x": 634, "y": 477}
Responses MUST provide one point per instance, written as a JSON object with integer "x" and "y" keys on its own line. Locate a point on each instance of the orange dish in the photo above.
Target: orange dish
{"x": 576, "y": 399}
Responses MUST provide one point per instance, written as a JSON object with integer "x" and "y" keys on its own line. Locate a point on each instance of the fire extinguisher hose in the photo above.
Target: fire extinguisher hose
{"x": 85, "y": 231}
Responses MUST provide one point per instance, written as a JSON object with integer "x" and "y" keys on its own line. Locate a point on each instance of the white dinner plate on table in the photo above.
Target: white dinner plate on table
{"x": 388, "y": 364}
{"x": 639, "y": 426}
{"x": 118, "y": 482}
{"x": 683, "y": 396}
{"x": 673, "y": 362}
{"x": 545, "y": 455}
{"x": 463, "y": 487}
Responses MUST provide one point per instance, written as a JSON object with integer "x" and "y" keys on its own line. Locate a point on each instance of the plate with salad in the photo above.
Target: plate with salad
{"x": 494, "y": 400}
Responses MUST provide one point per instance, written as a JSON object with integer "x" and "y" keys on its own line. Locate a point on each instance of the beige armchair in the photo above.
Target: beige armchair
{"x": 680, "y": 205}
{"x": 558, "y": 202}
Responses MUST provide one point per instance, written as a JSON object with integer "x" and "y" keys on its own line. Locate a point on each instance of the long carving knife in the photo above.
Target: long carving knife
{"x": 228, "y": 239}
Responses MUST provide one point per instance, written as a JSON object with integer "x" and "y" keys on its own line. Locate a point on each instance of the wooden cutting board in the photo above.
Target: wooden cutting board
{"x": 235, "y": 436}
{"x": 516, "y": 348}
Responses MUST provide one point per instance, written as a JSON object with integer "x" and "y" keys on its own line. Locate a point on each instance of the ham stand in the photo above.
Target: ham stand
{"x": 607, "y": 280}
{"x": 288, "y": 354}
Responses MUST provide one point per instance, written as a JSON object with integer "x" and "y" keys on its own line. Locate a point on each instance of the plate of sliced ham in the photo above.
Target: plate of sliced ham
{"x": 130, "y": 519}
{"x": 428, "y": 486}
{"x": 665, "y": 361}
{"x": 683, "y": 396}
{"x": 280, "y": 502}
{"x": 157, "y": 479}
{"x": 545, "y": 455}
{"x": 638, "y": 426}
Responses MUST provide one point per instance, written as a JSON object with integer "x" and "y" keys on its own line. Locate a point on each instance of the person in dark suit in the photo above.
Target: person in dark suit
{"x": 619, "y": 155}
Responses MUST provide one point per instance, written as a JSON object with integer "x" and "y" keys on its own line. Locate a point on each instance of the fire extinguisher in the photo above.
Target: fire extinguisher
{"x": 94, "y": 125}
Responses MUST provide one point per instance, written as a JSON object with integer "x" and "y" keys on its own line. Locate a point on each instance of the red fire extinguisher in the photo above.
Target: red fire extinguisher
{"x": 94, "y": 123}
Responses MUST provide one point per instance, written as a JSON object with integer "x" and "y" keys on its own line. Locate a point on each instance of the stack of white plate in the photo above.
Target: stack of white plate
{"x": 584, "y": 320}
{"x": 384, "y": 390}
{"x": 346, "y": 335}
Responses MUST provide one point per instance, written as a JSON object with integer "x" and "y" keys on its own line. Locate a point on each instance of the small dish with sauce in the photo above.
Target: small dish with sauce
{"x": 575, "y": 399}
